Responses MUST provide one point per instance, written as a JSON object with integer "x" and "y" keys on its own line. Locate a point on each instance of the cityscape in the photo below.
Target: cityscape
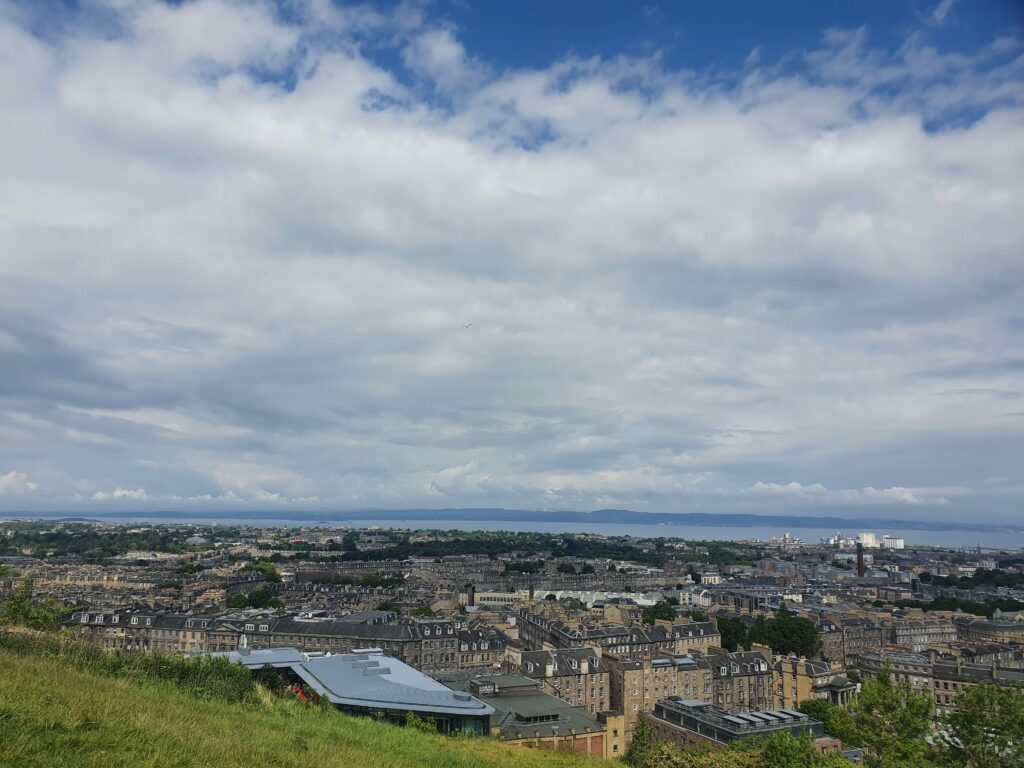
{"x": 565, "y": 641}
{"x": 511, "y": 384}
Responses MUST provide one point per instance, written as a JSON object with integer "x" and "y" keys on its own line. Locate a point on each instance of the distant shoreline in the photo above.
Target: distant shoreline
{"x": 603, "y": 516}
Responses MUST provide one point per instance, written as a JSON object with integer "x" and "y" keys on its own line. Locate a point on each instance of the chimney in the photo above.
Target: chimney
{"x": 860, "y": 560}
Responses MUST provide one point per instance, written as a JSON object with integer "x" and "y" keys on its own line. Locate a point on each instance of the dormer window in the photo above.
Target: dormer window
{"x": 188, "y": 624}
{"x": 149, "y": 622}
{"x": 264, "y": 627}
{"x": 135, "y": 619}
{"x": 114, "y": 619}
{"x": 204, "y": 624}
{"x": 85, "y": 618}
{"x": 250, "y": 627}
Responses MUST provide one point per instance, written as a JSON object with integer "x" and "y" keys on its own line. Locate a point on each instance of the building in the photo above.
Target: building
{"x": 940, "y": 678}
{"x": 577, "y": 676}
{"x": 892, "y": 542}
{"x": 741, "y": 681}
{"x": 526, "y": 716}
{"x": 831, "y": 640}
{"x": 538, "y": 632}
{"x": 798, "y": 679}
{"x": 142, "y": 630}
{"x": 918, "y": 634}
{"x": 686, "y": 723}
{"x": 429, "y": 644}
{"x": 860, "y": 636}
{"x": 869, "y": 540}
{"x": 371, "y": 684}
{"x": 637, "y": 683}
{"x": 977, "y": 630}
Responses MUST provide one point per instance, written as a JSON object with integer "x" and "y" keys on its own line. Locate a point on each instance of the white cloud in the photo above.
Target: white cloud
{"x": 16, "y": 483}
{"x": 138, "y": 494}
{"x": 942, "y": 10}
{"x": 816, "y": 492}
{"x": 677, "y": 285}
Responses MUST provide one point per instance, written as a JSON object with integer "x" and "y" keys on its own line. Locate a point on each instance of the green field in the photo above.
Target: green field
{"x": 52, "y": 714}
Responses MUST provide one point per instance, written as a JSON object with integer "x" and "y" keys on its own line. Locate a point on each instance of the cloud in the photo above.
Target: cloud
{"x": 137, "y": 495}
{"x": 677, "y": 284}
{"x": 817, "y": 493}
{"x": 942, "y": 10}
{"x": 16, "y": 483}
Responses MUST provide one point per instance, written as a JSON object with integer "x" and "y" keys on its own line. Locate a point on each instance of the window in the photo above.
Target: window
{"x": 264, "y": 627}
{"x": 85, "y": 618}
{"x": 135, "y": 619}
{"x": 149, "y": 622}
{"x": 250, "y": 627}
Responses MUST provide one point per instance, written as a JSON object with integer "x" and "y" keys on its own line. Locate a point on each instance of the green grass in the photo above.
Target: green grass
{"x": 54, "y": 714}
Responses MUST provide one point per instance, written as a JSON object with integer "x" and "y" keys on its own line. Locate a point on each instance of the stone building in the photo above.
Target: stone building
{"x": 918, "y": 633}
{"x": 636, "y": 683}
{"x": 578, "y": 676}
{"x": 741, "y": 681}
{"x": 798, "y": 679}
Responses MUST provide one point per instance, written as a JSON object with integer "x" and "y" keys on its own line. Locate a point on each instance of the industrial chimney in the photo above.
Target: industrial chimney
{"x": 860, "y": 560}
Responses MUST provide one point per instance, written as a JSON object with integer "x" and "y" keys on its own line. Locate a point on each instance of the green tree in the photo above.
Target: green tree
{"x": 782, "y": 750}
{"x": 641, "y": 747}
{"x": 22, "y": 609}
{"x": 986, "y": 730}
{"x": 421, "y": 724}
{"x": 836, "y": 719}
{"x": 890, "y": 722}
{"x": 794, "y": 634}
{"x": 734, "y": 633}
{"x": 566, "y": 568}
{"x": 660, "y": 610}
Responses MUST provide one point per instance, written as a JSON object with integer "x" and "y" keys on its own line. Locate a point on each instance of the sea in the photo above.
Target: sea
{"x": 937, "y": 537}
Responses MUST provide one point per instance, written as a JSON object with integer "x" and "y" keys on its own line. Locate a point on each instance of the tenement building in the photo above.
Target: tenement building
{"x": 741, "y": 681}
{"x": 537, "y": 632}
{"x": 577, "y": 676}
{"x": 636, "y": 683}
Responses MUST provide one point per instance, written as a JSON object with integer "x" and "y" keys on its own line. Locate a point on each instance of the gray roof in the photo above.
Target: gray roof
{"x": 367, "y": 680}
{"x": 521, "y": 710}
{"x": 275, "y": 657}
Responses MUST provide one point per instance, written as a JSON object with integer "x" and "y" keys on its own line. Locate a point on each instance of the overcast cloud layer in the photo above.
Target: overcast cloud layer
{"x": 238, "y": 259}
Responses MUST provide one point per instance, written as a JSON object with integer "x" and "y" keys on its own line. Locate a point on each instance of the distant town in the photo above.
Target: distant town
{"x": 544, "y": 638}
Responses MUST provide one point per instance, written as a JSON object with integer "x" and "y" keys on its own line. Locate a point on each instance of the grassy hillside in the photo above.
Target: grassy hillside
{"x": 52, "y": 714}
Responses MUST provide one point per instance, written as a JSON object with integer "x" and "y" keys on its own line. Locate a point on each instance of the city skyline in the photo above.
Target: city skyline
{"x": 312, "y": 256}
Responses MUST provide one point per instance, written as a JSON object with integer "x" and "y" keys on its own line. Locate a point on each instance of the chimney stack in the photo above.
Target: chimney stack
{"x": 860, "y": 560}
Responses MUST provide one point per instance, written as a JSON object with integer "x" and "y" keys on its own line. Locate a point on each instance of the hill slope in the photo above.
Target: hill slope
{"x": 53, "y": 715}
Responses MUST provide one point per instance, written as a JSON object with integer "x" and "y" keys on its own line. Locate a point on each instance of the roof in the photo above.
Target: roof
{"x": 367, "y": 680}
{"x": 520, "y": 711}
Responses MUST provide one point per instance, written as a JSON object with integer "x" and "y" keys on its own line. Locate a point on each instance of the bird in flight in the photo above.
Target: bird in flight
{"x": 466, "y": 325}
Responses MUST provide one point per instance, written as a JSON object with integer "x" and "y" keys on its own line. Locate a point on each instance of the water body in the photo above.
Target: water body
{"x": 936, "y": 537}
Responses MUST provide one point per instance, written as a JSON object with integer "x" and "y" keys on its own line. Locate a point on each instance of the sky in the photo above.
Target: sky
{"x": 672, "y": 257}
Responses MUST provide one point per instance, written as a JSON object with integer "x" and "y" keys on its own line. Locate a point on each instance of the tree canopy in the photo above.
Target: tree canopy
{"x": 986, "y": 730}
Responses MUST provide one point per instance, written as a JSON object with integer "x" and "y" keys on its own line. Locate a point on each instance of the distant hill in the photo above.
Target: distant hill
{"x": 55, "y": 716}
{"x": 615, "y": 516}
